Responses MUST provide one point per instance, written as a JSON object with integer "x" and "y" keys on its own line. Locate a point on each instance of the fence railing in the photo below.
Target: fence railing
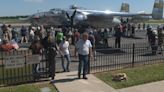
{"x": 129, "y": 55}
{"x": 23, "y": 67}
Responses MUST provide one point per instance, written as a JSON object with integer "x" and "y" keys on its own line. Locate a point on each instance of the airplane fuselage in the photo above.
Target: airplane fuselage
{"x": 97, "y": 18}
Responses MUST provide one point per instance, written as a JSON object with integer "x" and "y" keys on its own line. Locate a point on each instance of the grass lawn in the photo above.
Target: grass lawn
{"x": 136, "y": 76}
{"x": 29, "y": 88}
{"x": 16, "y": 75}
{"x": 155, "y": 21}
{"x": 12, "y": 21}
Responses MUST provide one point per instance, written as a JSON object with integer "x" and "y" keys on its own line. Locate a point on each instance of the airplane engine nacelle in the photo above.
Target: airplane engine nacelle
{"x": 116, "y": 21}
{"x": 80, "y": 17}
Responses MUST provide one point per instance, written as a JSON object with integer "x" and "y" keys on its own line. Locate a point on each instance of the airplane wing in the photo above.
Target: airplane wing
{"x": 157, "y": 13}
{"x": 107, "y": 14}
{"x": 119, "y": 14}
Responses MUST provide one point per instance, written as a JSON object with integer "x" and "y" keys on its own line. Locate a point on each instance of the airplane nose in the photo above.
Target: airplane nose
{"x": 116, "y": 21}
{"x": 80, "y": 17}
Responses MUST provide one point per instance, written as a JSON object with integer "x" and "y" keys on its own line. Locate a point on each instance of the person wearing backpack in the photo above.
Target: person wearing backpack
{"x": 51, "y": 50}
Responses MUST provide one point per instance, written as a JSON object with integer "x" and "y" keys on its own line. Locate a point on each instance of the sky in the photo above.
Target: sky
{"x": 28, "y": 7}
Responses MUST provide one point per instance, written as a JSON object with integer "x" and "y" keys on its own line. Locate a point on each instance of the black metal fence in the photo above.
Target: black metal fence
{"x": 23, "y": 67}
{"x": 129, "y": 55}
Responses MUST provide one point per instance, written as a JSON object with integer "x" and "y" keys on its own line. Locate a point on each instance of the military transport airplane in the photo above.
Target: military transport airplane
{"x": 96, "y": 18}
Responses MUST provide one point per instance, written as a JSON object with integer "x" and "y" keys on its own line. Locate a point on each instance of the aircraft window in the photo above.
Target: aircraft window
{"x": 57, "y": 11}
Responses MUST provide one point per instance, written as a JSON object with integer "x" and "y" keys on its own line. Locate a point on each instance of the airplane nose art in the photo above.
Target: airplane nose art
{"x": 116, "y": 21}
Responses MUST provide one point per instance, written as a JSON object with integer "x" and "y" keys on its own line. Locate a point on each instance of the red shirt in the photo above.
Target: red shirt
{"x": 6, "y": 47}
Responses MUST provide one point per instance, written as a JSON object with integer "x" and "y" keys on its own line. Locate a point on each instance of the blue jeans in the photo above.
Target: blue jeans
{"x": 35, "y": 72}
{"x": 83, "y": 60}
{"x": 68, "y": 62}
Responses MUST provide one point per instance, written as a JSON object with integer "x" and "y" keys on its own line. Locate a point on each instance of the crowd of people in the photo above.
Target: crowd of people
{"x": 50, "y": 41}
{"x": 156, "y": 38}
{"x": 53, "y": 41}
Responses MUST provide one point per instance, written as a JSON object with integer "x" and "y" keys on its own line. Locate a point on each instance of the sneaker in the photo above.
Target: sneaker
{"x": 95, "y": 58}
{"x": 64, "y": 70}
{"x": 52, "y": 81}
{"x": 160, "y": 53}
{"x": 79, "y": 76}
{"x": 84, "y": 77}
{"x": 49, "y": 78}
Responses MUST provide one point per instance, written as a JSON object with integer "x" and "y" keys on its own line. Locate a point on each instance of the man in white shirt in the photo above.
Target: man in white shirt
{"x": 64, "y": 50}
{"x": 84, "y": 49}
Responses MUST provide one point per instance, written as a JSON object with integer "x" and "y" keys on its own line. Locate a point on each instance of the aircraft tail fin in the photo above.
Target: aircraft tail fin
{"x": 124, "y": 7}
{"x": 158, "y": 9}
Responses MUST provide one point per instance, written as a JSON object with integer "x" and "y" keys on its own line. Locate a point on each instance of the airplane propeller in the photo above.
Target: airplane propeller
{"x": 67, "y": 15}
{"x": 72, "y": 16}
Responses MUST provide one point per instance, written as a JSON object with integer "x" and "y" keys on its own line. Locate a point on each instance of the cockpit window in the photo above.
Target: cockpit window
{"x": 56, "y": 11}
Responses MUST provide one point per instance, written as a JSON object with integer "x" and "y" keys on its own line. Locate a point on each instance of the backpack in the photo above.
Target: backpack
{"x": 51, "y": 51}
{"x": 92, "y": 40}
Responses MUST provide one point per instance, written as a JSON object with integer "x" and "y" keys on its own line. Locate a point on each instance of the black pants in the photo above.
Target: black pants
{"x": 36, "y": 75}
{"x": 106, "y": 41}
{"x": 51, "y": 56}
{"x": 51, "y": 67}
{"x": 118, "y": 42}
{"x": 154, "y": 48}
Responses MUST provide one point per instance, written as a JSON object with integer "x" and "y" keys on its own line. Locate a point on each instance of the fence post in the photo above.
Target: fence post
{"x": 3, "y": 66}
{"x": 133, "y": 55}
{"x": 89, "y": 60}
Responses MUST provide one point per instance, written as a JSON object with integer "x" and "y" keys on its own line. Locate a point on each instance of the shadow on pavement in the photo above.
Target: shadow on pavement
{"x": 65, "y": 80}
{"x": 133, "y": 37}
{"x": 147, "y": 54}
{"x": 111, "y": 51}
